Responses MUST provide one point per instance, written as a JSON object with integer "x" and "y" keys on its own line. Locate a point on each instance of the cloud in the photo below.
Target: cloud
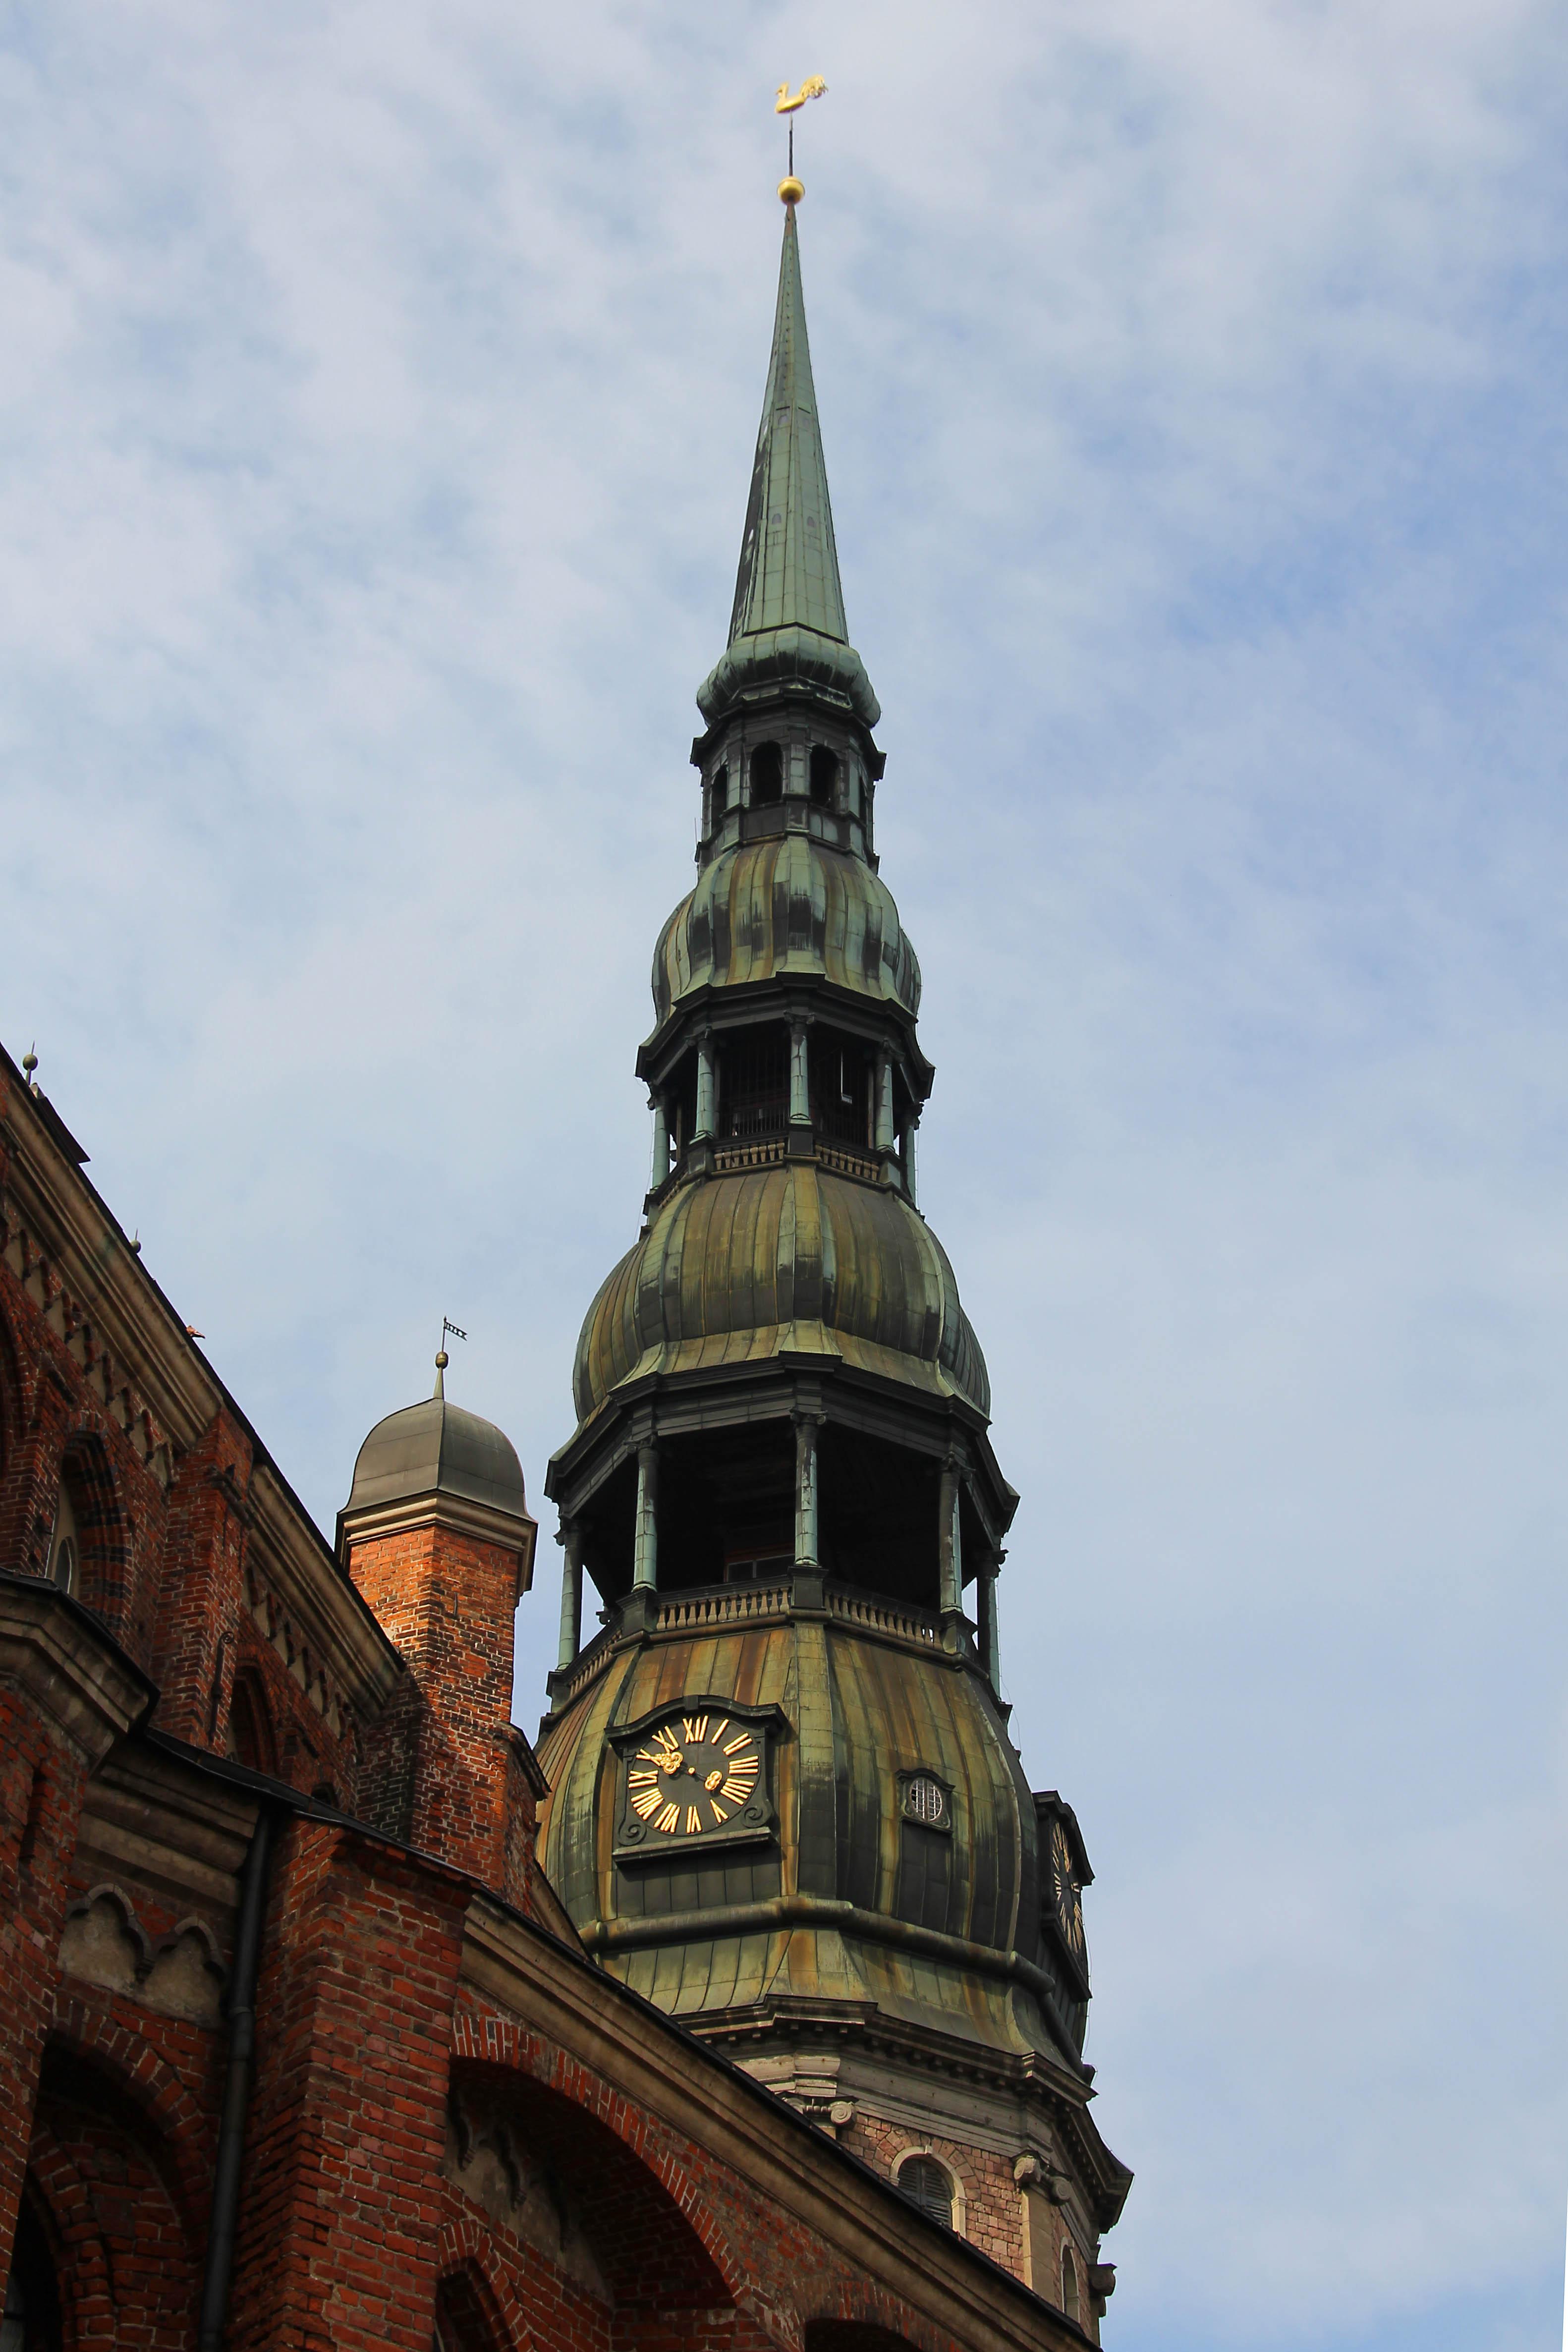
{"x": 378, "y": 394}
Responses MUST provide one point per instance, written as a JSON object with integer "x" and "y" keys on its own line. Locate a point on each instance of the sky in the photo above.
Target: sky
{"x": 377, "y": 394}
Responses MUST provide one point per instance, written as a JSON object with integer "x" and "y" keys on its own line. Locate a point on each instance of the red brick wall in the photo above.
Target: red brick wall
{"x": 41, "y": 1784}
{"x": 343, "y": 2206}
{"x": 440, "y": 1768}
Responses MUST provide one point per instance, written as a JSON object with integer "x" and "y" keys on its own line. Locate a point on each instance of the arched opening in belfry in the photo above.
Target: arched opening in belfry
{"x": 1069, "y": 2284}
{"x": 754, "y": 1083}
{"x": 824, "y": 775}
{"x": 767, "y": 775}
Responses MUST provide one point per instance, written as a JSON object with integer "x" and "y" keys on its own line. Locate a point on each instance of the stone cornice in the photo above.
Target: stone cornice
{"x": 481, "y": 1522}
{"x": 59, "y": 1657}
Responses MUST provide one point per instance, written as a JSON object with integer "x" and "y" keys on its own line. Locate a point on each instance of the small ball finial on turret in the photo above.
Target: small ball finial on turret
{"x": 790, "y": 190}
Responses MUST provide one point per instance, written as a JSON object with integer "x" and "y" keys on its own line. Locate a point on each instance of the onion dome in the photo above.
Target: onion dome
{"x": 767, "y": 908}
{"x": 790, "y": 1259}
{"x": 787, "y": 629}
{"x": 436, "y": 1448}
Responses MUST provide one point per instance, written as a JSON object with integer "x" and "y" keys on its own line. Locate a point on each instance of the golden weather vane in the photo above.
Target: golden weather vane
{"x": 790, "y": 103}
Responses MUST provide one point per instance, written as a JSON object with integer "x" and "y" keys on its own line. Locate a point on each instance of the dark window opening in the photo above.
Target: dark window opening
{"x": 721, "y": 791}
{"x": 824, "y": 775}
{"x": 925, "y": 2184}
{"x": 841, "y": 1090}
{"x": 753, "y": 1078}
{"x": 767, "y": 775}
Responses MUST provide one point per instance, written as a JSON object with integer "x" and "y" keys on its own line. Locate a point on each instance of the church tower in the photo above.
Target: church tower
{"x": 785, "y": 1804}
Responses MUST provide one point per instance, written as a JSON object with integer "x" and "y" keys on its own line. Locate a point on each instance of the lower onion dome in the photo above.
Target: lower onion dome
{"x": 786, "y": 1259}
{"x": 786, "y": 904}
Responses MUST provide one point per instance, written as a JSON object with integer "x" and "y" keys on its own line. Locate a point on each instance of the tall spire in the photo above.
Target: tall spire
{"x": 787, "y": 629}
{"x": 789, "y": 565}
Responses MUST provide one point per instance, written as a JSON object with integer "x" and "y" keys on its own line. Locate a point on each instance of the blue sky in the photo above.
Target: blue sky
{"x": 378, "y": 392}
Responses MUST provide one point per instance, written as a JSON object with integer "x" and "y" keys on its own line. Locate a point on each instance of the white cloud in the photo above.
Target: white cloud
{"x": 378, "y": 391}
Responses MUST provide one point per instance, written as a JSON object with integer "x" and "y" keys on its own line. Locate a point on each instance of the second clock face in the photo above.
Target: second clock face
{"x": 693, "y": 1773}
{"x": 1064, "y": 1892}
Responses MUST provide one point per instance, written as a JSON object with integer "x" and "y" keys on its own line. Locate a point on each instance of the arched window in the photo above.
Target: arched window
{"x": 250, "y": 1742}
{"x": 65, "y": 1542}
{"x": 925, "y": 2183}
{"x": 721, "y": 791}
{"x": 824, "y": 775}
{"x": 767, "y": 774}
{"x": 1069, "y": 2283}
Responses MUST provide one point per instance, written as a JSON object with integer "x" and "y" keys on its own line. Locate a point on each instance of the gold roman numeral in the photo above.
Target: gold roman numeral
{"x": 645, "y": 1803}
{"x": 695, "y": 1727}
{"x": 669, "y": 1818}
{"x": 642, "y": 1779}
{"x": 719, "y": 1812}
{"x": 742, "y": 1740}
{"x": 692, "y": 1822}
{"x": 736, "y": 1792}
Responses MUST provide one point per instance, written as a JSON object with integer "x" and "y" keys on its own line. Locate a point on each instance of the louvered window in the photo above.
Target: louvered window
{"x": 925, "y": 2184}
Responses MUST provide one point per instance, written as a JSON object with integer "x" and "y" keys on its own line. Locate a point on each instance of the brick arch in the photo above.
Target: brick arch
{"x": 490, "y": 2039}
{"x": 466, "y": 2254}
{"x": 91, "y": 2034}
{"x": 621, "y": 2179}
{"x": 864, "y": 2318}
{"x": 100, "y": 1523}
{"x": 84, "y": 2274}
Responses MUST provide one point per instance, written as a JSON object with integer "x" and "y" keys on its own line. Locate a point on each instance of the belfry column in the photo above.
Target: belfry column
{"x": 571, "y": 1540}
{"x": 645, "y": 1559}
{"x": 950, "y": 1548}
{"x": 985, "y": 1611}
{"x": 799, "y": 1092}
{"x": 657, "y": 1104}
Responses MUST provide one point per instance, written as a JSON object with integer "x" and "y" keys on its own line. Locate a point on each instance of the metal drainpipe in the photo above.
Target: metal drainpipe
{"x": 218, "y": 2270}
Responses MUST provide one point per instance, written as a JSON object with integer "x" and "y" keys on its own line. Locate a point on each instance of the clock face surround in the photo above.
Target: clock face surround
{"x": 1065, "y": 1894}
{"x": 695, "y": 1775}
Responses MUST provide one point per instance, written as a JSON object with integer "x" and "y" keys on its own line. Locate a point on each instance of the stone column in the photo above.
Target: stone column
{"x": 706, "y": 1090}
{"x": 571, "y": 1539}
{"x": 985, "y": 1610}
{"x": 884, "y": 1101}
{"x": 645, "y": 1562}
{"x": 911, "y": 1127}
{"x": 949, "y": 1541}
{"x": 799, "y": 1076}
{"x": 656, "y": 1103}
{"x": 805, "y": 1536}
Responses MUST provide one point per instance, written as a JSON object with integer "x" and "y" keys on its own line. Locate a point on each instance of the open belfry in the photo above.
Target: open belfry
{"x": 746, "y": 2009}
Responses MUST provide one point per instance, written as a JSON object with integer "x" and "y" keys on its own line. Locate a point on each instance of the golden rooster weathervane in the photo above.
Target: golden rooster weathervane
{"x": 790, "y": 103}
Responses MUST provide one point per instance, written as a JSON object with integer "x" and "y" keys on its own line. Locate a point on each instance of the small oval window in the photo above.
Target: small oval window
{"x": 925, "y": 1799}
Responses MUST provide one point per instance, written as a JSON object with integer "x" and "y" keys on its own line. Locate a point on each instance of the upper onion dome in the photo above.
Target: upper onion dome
{"x": 786, "y": 904}
{"x": 436, "y": 1448}
{"x": 786, "y": 1259}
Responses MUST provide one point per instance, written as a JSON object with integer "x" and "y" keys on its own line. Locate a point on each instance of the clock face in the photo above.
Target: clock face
{"x": 692, "y": 1774}
{"x": 1064, "y": 1892}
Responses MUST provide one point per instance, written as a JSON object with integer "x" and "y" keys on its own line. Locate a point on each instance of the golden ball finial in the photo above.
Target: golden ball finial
{"x": 790, "y": 190}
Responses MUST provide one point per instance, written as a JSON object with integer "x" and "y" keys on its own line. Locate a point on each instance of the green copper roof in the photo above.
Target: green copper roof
{"x": 787, "y": 628}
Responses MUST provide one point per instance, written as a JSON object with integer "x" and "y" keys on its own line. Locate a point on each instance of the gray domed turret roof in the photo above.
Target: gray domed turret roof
{"x": 436, "y": 1448}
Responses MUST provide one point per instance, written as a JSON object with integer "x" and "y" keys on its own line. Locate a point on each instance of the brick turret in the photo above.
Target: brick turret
{"x": 438, "y": 1537}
